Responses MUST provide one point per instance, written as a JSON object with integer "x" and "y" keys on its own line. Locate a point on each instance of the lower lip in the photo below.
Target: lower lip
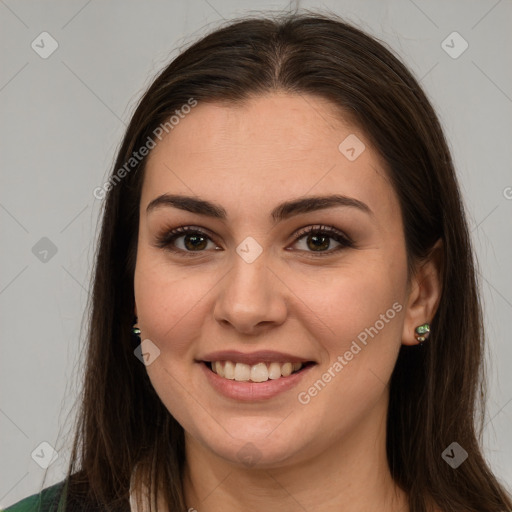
{"x": 252, "y": 391}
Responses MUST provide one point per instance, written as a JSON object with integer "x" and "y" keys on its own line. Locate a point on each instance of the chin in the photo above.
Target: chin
{"x": 256, "y": 444}
{"x": 255, "y": 455}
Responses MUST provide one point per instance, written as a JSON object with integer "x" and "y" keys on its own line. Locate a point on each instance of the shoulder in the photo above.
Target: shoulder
{"x": 69, "y": 495}
{"x": 44, "y": 501}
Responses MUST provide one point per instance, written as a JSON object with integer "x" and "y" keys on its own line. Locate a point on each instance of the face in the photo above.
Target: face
{"x": 270, "y": 280}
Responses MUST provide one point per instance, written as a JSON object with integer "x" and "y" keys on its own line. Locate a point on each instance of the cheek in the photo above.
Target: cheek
{"x": 362, "y": 309}
{"x": 348, "y": 303}
{"x": 362, "y": 312}
{"x": 171, "y": 306}
{"x": 167, "y": 302}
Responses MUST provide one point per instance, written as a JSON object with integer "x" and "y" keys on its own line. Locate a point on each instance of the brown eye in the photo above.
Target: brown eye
{"x": 190, "y": 241}
{"x": 318, "y": 239}
{"x": 193, "y": 240}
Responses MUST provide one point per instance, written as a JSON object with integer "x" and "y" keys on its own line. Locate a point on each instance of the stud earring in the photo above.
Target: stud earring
{"x": 422, "y": 332}
{"x": 136, "y": 331}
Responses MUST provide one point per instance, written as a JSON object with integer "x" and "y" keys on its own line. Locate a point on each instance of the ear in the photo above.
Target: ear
{"x": 425, "y": 293}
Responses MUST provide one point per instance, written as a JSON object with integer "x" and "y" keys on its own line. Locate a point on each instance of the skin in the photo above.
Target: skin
{"x": 328, "y": 454}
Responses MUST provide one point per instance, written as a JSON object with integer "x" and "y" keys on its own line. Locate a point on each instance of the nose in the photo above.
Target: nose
{"x": 251, "y": 298}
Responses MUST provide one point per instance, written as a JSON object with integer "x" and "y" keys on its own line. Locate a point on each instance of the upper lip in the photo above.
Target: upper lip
{"x": 253, "y": 358}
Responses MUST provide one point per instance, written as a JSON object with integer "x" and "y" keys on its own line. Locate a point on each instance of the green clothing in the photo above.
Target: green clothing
{"x": 45, "y": 501}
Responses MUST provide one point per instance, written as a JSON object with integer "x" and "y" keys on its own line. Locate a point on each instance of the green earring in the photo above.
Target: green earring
{"x": 422, "y": 332}
{"x": 136, "y": 330}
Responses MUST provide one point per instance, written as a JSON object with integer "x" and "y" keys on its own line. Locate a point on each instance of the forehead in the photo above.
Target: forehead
{"x": 267, "y": 149}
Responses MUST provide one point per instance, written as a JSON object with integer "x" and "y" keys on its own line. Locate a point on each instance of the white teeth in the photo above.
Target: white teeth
{"x": 229, "y": 370}
{"x": 219, "y": 369}
{"x": 242, "y": 372}
{"x": 286, "y": 369}
{"x": 260, "y": 372}
{"x": 274, "y": 371}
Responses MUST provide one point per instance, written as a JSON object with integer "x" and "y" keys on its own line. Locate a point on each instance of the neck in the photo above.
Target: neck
{"x": 351, "y": 475}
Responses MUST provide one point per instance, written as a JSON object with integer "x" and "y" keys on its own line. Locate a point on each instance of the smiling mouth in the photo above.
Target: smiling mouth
{"x": 260, "y": 372}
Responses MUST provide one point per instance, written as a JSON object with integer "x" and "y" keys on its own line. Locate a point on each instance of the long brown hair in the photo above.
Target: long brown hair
{"x": 436, "y": 391}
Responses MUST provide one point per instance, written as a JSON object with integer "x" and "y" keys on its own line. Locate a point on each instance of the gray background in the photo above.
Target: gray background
{"x": 63, "y": 118}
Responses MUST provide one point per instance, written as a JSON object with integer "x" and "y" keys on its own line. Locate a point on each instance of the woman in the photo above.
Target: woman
{"x": 285, "y": 312}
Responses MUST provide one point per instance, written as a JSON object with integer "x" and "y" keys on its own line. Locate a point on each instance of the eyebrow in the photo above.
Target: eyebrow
{"x": 281, "y": 212}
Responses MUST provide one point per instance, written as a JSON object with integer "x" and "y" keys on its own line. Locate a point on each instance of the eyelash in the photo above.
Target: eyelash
{"x": 166, "y": 240}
